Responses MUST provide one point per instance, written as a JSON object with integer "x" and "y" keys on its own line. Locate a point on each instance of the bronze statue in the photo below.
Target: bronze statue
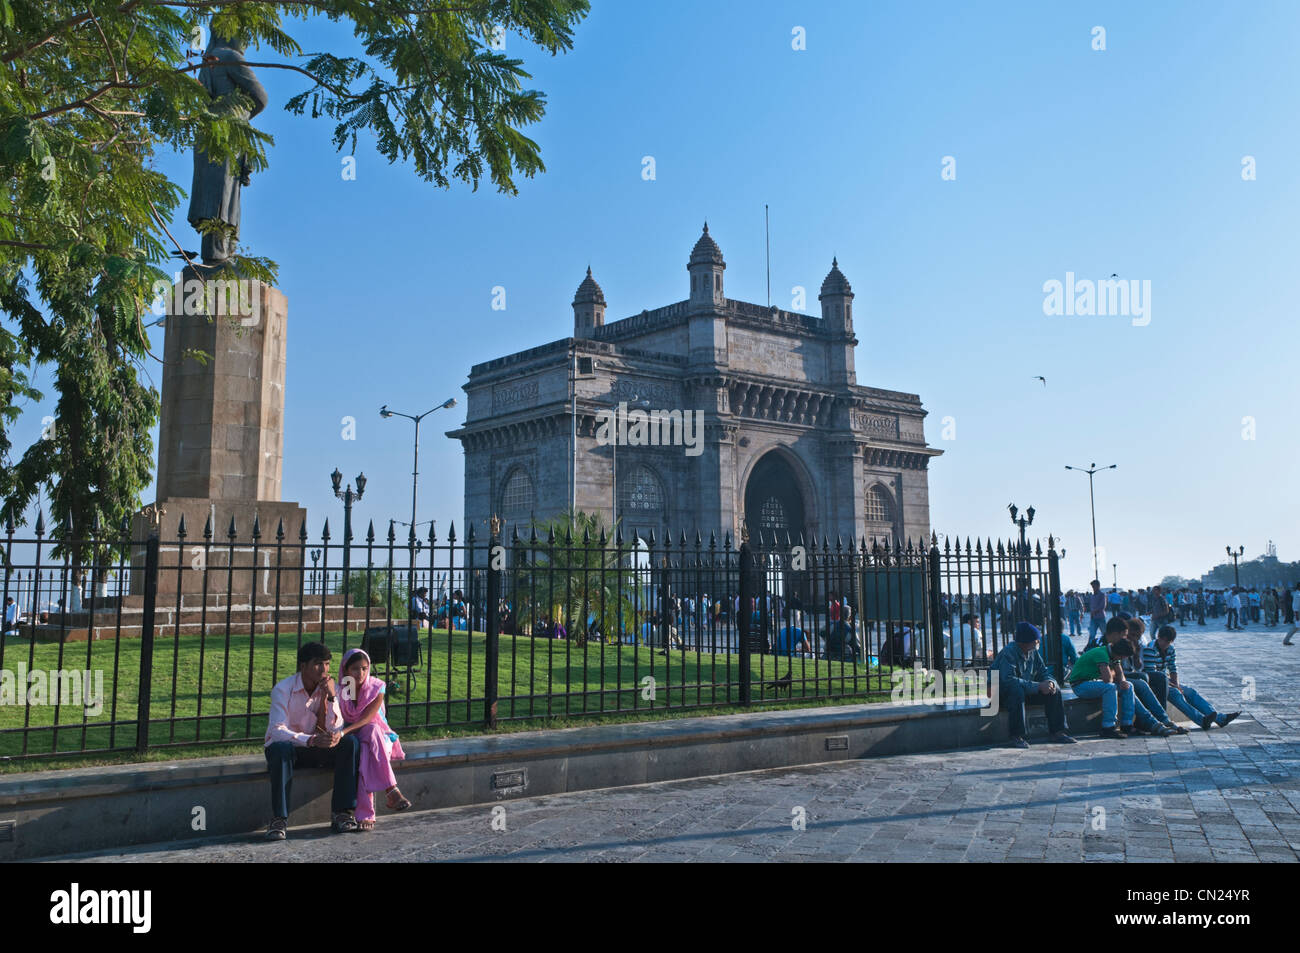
{"x": 215, "y": 191}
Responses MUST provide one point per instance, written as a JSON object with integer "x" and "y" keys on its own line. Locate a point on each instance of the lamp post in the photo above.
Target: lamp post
{"x": 1236, "y": 577}
{"x": 348, "y": 497}
{"x": 1092, "y": 505}
{"x": 415, "y": 477}
{"x": 315, "y": 558}
{"x": 1115, "y": 576}
{"x": 1024, "y": 522}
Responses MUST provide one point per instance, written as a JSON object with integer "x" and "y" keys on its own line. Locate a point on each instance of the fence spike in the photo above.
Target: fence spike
{"x": 40, "y": 523}
{"x": 713, "y": 539}
{"x": 586, "y": 536}
{"x": 207, "y": 527}
{"x": 451, "y": 534}
{"x": 603, "y": 537}
{"x": 302, "y": 532}
{"x": 325, "y": 533}
{"x": 232, "y": 532}
{"x": 257, "y": 526}
{"x": 279, "y": 530}
{"x": 180, "y": 529}
{"x": 392, "y": 532}
{"x": 370, "y": 533}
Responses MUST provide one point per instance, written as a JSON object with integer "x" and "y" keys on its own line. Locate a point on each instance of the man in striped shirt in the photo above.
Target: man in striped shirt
{"x": 1159, "y": 656}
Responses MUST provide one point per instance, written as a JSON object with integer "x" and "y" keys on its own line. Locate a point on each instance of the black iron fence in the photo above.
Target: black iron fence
{"x": 116, "y": 642}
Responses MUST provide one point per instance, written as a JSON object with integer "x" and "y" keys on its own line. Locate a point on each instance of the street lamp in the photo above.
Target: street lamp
{"x": 415, "y": 477}
{"x": 1115, "y": 577}
{"x": 1092, "y": 505}
{"x": 1024, "y": 522}
{"x": 348, "y": 497}
{"x": 1236, "y": 577}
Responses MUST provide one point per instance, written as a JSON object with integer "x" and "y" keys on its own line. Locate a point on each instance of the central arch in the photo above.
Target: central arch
{"x": 774, "y": 503}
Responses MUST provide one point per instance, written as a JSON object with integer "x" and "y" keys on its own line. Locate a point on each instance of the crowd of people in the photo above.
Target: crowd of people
{"x": 1135, "y": 679}
{"x": 1240, "y": 606}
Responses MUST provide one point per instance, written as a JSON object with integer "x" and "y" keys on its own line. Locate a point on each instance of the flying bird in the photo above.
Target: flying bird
{"x": 1043, "y": 379}
{"x": 1114, "y": 276}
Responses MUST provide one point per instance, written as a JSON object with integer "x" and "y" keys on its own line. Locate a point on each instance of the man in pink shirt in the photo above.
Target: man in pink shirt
{"x": 305, "y": 730}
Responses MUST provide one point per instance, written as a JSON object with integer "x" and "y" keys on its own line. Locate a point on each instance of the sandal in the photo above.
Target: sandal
{"x": 344, "y": 823}
{"x": 366, "y": 825}
{"x": 396, "y": 801}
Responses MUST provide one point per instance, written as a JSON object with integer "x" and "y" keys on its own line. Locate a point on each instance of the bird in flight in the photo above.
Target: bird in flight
{"x": 1043, "y": 379}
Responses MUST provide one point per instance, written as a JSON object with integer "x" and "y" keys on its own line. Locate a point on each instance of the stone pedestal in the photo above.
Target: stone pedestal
{"x": 221, "y": 445}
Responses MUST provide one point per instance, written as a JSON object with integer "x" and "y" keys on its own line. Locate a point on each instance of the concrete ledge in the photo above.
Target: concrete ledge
{"x": 56, "y": 812}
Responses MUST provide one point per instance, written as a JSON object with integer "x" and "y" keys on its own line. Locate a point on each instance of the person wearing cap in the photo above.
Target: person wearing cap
{"x": 1023, "y": 679}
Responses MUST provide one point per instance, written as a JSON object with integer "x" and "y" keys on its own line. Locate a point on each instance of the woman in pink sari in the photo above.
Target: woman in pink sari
{"x": 361, "y": 700}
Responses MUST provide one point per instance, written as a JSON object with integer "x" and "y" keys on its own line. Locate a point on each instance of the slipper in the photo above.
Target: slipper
{"x": 344, "y": 823}
{"x": 396, "y": 801}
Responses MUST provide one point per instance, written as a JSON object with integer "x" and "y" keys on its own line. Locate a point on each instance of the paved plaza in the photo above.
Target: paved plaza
{"x": 1227, "y": 795}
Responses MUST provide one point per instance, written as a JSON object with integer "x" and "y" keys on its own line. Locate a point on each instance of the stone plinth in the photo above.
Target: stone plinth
{"x": 181, "y": 570}
{"x": 222, "y": 422}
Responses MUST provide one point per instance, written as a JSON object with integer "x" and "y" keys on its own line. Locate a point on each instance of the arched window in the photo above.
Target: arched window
{"x": 517, "y": 496}
{"x": 880, "y": 506}
{"x": 640, "y": 492}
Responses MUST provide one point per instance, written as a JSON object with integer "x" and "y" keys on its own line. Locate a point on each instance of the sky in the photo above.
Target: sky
{"x": 1126, "y": 160}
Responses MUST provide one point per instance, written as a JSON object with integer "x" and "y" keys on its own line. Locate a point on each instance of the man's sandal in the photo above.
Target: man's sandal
{"x": 396, "y": 801}
{"x": 277, "y": 829}
{"x": 344, "y": 823}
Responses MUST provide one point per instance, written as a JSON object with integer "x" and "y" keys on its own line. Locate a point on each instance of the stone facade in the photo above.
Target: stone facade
{"x": 790, "y": 441}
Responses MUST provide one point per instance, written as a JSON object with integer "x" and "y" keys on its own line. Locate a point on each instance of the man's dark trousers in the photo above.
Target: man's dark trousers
{"x": 345, "y": 757}
{"x": 1013, "y": 698}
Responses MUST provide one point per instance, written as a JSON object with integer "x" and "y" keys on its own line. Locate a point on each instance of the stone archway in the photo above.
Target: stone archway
{"x": 774, "y": 503}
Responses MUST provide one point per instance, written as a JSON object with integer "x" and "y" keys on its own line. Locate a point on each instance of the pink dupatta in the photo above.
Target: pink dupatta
{"x": 365, "y": 693}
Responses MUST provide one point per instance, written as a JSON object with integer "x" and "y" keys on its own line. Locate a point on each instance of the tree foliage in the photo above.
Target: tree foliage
{"x": 91, "y": 90}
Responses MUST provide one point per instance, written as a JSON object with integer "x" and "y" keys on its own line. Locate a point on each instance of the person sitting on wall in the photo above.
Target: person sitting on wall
{"x": 1158, "y": 656}
{"x": 1023, "y": 679}
{"x": 305, "y": 729}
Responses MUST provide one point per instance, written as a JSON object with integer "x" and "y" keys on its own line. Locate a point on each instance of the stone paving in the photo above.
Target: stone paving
{"x": 1230, "y": 794}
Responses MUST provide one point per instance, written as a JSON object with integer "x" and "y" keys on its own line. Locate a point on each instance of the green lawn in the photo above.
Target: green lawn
{"x": 542, "y": 682}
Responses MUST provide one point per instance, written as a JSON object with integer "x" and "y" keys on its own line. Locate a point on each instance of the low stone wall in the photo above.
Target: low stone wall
{"x": 56, "y": 812}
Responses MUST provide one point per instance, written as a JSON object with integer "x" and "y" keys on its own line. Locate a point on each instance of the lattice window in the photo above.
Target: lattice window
{"x": 880, "y": 507}
{"x": 771, "y": 515}
{"x": 517, "y": 497}
{"x": 640, "y": 491}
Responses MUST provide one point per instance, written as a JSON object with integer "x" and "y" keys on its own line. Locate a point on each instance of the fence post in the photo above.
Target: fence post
{"x": 936, "y": 608}
{"x": 743, "y": 618}
{"x": 496, "y": 562}
{"x": 1055, "y": 661}
{"x": 146, "y": 640}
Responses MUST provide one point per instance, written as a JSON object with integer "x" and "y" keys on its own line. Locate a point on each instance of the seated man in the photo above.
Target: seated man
{"x": 791, "y": 638}
{"x": 1159, "y": 656}
{"x": 305, "y": 730}
{"x": 1097, "y": 675}
{"x": 1023, "y": 680}
{"x": 969, "y": 643}
{"x": 1148, "y": 689}
{"x": 420, "y": 606}
{"x": 11, "y": 616}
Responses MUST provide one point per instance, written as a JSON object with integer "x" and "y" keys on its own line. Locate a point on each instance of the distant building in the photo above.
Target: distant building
{"x": 787, "y": 440}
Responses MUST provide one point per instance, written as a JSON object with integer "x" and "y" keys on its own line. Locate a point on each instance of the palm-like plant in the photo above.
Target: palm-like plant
{"x": 572, "y": 568}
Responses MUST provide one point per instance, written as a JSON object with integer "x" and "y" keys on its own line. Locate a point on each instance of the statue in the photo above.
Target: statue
{"x": 215, "y": 191}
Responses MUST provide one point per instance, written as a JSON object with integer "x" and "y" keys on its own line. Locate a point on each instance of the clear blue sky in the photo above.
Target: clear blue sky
{"x": 1125, "y": 161}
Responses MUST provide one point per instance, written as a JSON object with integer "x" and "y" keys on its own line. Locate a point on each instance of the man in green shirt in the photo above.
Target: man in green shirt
{"x": 1097, "y": 675}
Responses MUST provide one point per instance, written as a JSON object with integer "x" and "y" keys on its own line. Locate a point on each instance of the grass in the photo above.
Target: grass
{"x": 220, "y": 708}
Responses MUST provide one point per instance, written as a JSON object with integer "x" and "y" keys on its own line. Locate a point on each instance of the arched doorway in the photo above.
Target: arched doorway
{"x": 773, "y": 504}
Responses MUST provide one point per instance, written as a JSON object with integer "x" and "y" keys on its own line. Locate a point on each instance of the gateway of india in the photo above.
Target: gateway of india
{"x": 790, "y": 442}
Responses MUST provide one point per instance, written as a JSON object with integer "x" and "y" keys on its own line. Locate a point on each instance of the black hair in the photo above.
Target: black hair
{"x": 1122, "y": 649}
{"x": 313, "y": 652}
{"x": 1167, "y": 632}
{"x": 1117, "y": 625}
